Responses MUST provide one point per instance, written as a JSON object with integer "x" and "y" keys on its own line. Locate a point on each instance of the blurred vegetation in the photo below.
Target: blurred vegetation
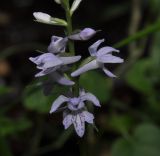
{"x": 128, "y": 122}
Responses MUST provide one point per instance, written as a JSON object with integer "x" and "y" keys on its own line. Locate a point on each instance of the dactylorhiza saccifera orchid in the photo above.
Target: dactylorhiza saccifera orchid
{"x": 56, "y": 63}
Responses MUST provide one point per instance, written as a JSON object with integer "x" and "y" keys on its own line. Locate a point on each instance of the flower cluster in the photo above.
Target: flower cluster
{"x": 55, "y": 62}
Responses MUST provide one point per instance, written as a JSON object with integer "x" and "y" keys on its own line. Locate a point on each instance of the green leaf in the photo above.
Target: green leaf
{"x": 148, "y": 134}
{"x": 138, "y": 77}
{"x": 37, "y": 101}
{"x": 144, "y": 142}
{"x": 9, "y": 126}
{"x": 97, "y": 84}
{"x": 121, "y": 123}
{"x": 34, "y": 99}
{"x": 122, "y": 148}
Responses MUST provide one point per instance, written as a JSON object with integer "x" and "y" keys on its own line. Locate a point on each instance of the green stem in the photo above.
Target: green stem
{"x": 71, "y": 43}
{"x": 69, "y": 27}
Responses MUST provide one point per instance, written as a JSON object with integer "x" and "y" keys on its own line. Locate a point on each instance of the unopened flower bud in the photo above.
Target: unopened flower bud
{"x": 40, "y": 16}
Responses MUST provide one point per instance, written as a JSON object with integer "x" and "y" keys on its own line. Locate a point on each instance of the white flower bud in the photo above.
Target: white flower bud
{"x": 75, "y": 5}
{"x": 58, "y": 1}
{"x": 40, "y": 16}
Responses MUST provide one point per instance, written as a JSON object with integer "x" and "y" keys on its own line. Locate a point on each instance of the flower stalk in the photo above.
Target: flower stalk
{"x": 69, "y": 27}
{"x": 71, "y": 46}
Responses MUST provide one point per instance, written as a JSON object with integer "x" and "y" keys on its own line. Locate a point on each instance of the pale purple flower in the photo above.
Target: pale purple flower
{"x": 60, "y": 78}
{"x": 83, "y": 35}
{"x": 57, "y": 45}
{"x": 75, "y": 112}
{"x": 49, "y": 62}
{"x": 100, "y": 57}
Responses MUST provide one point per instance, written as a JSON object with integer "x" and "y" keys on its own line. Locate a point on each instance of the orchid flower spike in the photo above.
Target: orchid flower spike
{"x": 49, "y": 62}
{"x": 75, "y": 112}
{"x": 83, "y": 35}
{"x": 101, "y": 56}
{"x": 57, "y": 45}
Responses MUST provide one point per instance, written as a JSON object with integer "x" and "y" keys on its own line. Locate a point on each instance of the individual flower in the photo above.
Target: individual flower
{"x": 49, "y": 62}
{"x": 100, "y": 57}
{"x": 83, "y": 35}
{"x": 47, "y": 19}
{"x": 43, "y": 17}
{"x": 57, "y": 45}
{"x": 75, "y": 111}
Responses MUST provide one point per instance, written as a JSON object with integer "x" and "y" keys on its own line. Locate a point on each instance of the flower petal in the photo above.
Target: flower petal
{"x": 41, "y": 73}
{"x": 108, "y": 73}
{"x": 87, "y": 33}
{"x": 69, "y": 60}
{"x": 81, "y": 105}
{"x": 79, "y": 124}
{"x": 33, "y": 59}
{"x": 59, "y": 78}
{"x": 83, "y": 35}
{"x": 93, "y": 48}
{"x": 88, "y": 117}
{"x": 46, "y": 71}
{"x": 89, "y": 66}
{"x": 52, "y": 62}
{"x": 109, "y": 59}
{"x": 106, "y": 50}
{"x": 58, "y": 102}
{"x": 92, "y": 98}
{"x": 82, "y": 92}
{"x": 46, "y": 60}
{"x": 75, "y": 5}
{"x": 67, "y": 121}
{"x": 58, "y": 44}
